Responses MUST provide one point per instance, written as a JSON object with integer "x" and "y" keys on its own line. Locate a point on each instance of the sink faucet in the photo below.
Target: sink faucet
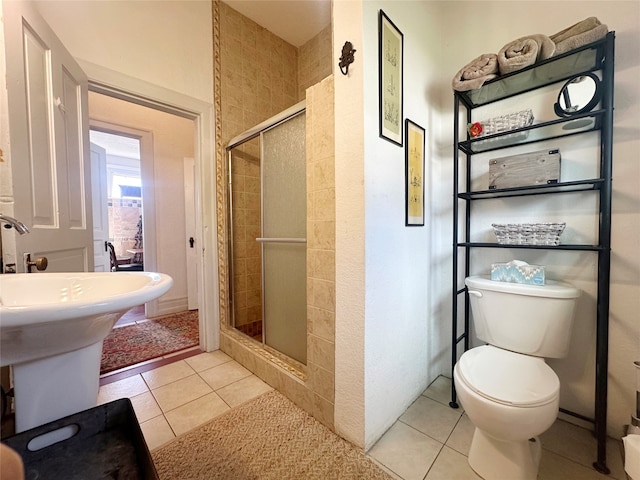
{"x": 21, "y": 228}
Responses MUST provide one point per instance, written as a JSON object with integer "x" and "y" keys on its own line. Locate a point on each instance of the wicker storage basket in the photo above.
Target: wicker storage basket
{"x": 507, "y": 122}
{"x": 528, "y": 233}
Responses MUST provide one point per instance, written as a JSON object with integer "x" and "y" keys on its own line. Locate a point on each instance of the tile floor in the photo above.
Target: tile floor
{"x": 430, "y": 441}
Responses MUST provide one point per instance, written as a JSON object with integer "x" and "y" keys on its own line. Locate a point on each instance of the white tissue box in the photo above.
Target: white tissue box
{"x": 517, "y": 272}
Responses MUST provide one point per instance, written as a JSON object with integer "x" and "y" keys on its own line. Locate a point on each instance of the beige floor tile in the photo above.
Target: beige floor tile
{"x": 451, "y": 465}
{"x": 156, "y": 432}
{"x": 125, "y": 388}
{"x": 192, "y": 414}
{"x": 223, "y": 375}
{"x": 579, "y": 444}
{"x": 431, "y": 418}
{"x": 178, "y": 393}
{"x": 208, "y": 360}
{"x": 556, "y": 467}
{"x": 460, "y": 438}
{"x": 167, "y": 374}
{"x": 145, "y": 407}
{"x": 405, "y": 451}
{"x": 243, "y": 390}
{"x": 439, "y": 390}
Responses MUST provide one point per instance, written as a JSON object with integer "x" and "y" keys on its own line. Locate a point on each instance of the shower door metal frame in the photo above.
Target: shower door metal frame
{"x": 250, "y": 134}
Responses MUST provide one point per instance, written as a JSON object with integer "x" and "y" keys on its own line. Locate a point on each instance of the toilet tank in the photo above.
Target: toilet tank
{"x": 530, "y": 319}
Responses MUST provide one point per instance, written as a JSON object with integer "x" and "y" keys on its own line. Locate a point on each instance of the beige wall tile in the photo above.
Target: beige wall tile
{"x": 323, "y": 382}
{"x": 323, "y": 410}
{"x": 272, "y": 76}
{"x": 322, "y": 323}
{"x": 321, "y": 352}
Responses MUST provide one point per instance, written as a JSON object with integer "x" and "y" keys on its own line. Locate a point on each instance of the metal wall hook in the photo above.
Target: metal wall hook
{"x": 347, "y": 57}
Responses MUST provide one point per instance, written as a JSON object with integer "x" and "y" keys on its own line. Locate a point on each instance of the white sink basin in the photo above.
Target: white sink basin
{"x": 51, "y": 330}
{"x": 46, "y": 314}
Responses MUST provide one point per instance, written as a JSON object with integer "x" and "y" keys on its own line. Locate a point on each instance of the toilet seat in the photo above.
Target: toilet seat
{"x": 507, "y": 377}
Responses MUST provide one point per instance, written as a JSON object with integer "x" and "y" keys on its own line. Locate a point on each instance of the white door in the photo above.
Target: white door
{"x": 190, "y": 228}
{"x": 47, "y": 99}
{"x": 101, "y": 262}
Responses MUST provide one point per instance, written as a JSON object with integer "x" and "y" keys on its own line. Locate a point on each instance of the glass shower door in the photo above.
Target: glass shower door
{"x": 284, "y": 226}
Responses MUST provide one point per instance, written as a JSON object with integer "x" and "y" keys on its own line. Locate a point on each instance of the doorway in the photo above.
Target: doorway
{"x": 118, "y": 188}
{"x": 145, "y": 150}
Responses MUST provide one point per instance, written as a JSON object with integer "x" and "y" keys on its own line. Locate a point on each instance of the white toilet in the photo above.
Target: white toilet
{"x": 508, "y": 391}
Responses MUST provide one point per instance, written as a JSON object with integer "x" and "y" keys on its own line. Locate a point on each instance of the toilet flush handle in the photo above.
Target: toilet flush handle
{"x": 475, "y": 293}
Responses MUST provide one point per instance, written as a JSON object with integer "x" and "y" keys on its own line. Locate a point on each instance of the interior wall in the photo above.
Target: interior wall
{"x": 350, "y": 245}
{"x": 165, "y": 43}
{"x": 398, "y": 258}
{"x": 173, "y": 140}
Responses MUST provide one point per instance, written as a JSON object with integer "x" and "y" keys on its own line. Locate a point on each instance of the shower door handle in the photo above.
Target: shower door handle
{"x": 280, "y": 240}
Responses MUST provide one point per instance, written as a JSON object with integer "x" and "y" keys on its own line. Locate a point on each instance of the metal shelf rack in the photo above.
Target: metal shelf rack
{"x": 597, "y": 56}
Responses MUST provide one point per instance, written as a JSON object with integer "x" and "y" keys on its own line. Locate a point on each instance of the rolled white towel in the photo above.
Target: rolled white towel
{"x": 524, "y": 51}
{"x": 476, "y": 73}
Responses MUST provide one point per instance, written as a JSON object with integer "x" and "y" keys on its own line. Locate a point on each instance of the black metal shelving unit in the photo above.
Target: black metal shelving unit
{"x": 595, "y": 57}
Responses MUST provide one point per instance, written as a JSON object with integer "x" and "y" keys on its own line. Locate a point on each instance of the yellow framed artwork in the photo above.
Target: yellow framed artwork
{"x": 414, "y": 174}
{"x": 390, "y": 52}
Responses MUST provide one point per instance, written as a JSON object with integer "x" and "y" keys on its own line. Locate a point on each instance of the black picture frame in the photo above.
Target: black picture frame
{"x": 414, "y": 174}
{"x": 390, "y": 79}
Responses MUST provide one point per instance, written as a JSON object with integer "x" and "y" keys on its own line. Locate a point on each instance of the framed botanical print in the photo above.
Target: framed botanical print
{"x": 414, "y": 174}
{"x": 390, "y": 51}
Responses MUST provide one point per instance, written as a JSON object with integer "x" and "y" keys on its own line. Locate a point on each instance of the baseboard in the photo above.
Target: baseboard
{"x": 172, "y": 305}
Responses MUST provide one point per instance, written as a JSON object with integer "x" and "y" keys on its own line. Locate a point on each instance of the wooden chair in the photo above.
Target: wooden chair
{"x": 117, "y": 266}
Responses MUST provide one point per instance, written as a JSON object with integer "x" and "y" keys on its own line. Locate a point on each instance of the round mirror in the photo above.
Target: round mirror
{"x": 580, "y": 94}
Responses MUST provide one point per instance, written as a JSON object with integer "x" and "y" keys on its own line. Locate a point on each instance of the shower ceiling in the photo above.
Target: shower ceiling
{"x": 295, "y": 21}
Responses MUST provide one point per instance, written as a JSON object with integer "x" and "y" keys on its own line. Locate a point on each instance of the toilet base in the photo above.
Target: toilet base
{"x": 495, "y": 459}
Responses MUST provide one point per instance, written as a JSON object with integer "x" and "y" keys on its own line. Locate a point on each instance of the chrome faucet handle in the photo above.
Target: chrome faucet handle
{"x": 20, "y": 227}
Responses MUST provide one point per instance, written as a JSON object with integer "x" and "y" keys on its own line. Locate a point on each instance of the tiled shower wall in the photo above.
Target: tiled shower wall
{"x": 247, "y": 259}
{"x": 258, "y": 78}
{"x": 314, "y": 61}
{"x": 258, "y": 75}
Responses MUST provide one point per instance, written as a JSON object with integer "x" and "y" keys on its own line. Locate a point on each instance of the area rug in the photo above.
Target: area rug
{"x": 266, "y": 438}
{"x": 144, "y": 341}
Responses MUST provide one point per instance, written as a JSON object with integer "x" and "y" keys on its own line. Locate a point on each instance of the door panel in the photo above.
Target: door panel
{"x": 47, "y": 99}
{"x": 284, "y": 226}
{"x": 70, "y": 110}
{"x": 100, "y": 212}
{"x": 36, "y": 165}
{"x": 191, "y": 236}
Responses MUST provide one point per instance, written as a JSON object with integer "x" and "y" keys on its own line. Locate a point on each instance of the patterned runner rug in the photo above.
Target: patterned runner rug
{"x": 154, "y": 338}
{"x": 266, "y": 438}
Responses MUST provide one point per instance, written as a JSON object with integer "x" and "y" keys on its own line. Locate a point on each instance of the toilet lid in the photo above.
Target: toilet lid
{"x": 507, "y": 377}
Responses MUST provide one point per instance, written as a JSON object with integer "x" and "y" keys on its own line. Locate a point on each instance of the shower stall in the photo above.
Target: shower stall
{"x": 267, "y": 218}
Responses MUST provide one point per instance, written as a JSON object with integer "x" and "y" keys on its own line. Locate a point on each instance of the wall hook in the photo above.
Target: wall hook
{"x": 347, "y": 57}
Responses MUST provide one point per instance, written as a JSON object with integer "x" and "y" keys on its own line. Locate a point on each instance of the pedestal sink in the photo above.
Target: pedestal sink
{"x": 51, "y": 330}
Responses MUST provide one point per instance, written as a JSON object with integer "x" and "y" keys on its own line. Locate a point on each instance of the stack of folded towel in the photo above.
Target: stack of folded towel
{"x": 526, "y": 51}
{"x": 586, "y": 31}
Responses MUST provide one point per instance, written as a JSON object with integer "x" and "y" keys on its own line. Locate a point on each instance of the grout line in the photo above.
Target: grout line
{"x": 434, "y": 461}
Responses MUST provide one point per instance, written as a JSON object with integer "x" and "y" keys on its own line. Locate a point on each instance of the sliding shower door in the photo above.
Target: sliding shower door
{"x": 284, "y": 249}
